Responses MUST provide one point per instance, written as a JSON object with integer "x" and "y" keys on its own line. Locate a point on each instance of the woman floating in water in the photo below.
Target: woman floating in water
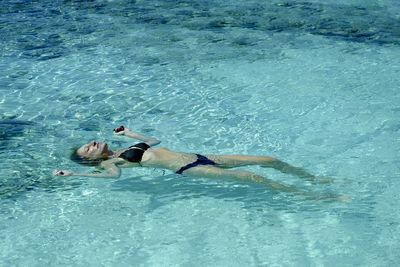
{"x": 145, "y": 154}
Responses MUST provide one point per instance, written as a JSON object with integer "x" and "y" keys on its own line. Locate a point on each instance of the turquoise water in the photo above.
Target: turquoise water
{"x": 314, "y": 83}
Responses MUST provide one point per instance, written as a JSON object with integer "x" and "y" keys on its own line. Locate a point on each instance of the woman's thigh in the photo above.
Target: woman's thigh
{"x": 216, "y": 172}
{"x": 231, "y": 161}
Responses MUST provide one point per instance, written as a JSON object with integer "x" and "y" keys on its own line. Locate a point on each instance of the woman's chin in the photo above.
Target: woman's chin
{"x": 105, "y": 150}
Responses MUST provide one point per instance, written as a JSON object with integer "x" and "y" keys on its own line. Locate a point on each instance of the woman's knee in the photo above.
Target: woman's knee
{"x": 244, "y": 175}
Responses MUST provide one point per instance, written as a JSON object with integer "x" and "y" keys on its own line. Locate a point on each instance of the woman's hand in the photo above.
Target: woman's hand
{"x": 62, "y": 173}
{"x": 119, "y": 130}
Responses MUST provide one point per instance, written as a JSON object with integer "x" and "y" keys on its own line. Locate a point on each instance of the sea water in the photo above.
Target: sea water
{"x": 314, "y": 83}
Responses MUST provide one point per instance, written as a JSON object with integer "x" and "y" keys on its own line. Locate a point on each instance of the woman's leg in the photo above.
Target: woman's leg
{"x": 215, "y": 172}
{"x": 245, "y": 176}
{"x": 231, "y": 161}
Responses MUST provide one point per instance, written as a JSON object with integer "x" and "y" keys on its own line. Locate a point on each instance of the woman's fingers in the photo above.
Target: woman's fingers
{"x": 119, "y": 130}
{"x": 61, "y": 173}
{"x": 58, "y": 173}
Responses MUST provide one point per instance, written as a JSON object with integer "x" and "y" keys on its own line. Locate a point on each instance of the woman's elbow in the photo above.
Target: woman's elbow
{"x": 116, "y": 174}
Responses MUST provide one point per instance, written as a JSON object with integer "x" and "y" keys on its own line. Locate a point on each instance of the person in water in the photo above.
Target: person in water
{"x": 145, "y": 154}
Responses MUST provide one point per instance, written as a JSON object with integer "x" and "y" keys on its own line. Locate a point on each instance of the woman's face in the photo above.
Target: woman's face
{"x": 94, "y": 150}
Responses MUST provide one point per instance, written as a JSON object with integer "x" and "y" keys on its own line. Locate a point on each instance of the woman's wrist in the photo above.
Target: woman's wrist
{"x": 130, "y": 133}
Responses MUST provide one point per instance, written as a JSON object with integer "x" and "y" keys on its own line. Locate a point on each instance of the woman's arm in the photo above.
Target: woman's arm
{"x": 151, "y": 141}
{"x": 110, "y": 170}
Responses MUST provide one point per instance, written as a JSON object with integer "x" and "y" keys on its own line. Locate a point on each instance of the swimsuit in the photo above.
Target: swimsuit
{"x": 201, "y": 160}
{"x": 134, "y": 153}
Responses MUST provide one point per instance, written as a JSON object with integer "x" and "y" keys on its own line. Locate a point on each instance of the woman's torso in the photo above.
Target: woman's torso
{"x": 164, "y": 158}
{"x": 167, "y": 159}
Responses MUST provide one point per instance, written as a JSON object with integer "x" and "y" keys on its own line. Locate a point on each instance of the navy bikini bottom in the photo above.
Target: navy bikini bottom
{"x": 201, "y": 160}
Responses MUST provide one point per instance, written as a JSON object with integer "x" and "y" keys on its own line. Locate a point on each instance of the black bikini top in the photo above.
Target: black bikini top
{"x": 134, "y": 153}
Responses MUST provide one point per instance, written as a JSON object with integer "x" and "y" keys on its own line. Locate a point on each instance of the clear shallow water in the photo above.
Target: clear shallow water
{"x": 314, "y": 83}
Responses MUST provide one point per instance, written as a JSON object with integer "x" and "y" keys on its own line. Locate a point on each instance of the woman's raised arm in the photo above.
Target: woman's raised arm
{"x": 151, "y": 141}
